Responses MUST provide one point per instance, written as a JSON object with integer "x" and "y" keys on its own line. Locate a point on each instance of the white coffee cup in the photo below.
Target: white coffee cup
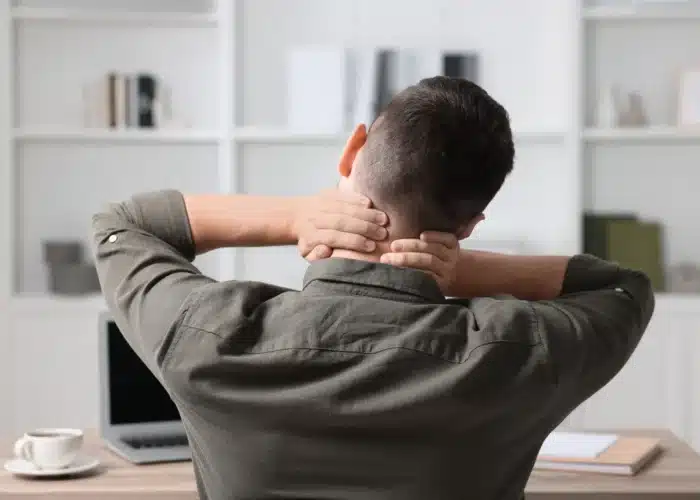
{"x": 50, "y": 448}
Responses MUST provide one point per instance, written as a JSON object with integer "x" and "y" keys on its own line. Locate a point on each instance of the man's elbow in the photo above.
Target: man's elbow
{"x": 640, "y": 287}
{"x": 113, "y": 217}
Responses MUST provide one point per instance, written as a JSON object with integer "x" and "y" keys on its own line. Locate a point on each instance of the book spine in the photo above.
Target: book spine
{"x": 383, "y": 84}
{"x": 128, "y": 102}
{"x": 146, "y": 97}
{"x": 453, "y": 65}
{"x": 112, "y": 100}
{"x": 120, "y": 101}
{"x": 470, "y": 67}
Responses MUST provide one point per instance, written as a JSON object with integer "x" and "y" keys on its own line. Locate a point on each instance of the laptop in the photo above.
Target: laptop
{"x": 138, "y": 420}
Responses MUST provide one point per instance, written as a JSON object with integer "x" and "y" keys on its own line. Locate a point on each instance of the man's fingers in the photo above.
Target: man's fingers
{"x": 360, "y": 227}
{"x": 415, "y": 260}
{"x": 358, "y": 212}
{"x": 319, "y": 252}
{"x": 419, "y": 246}
{"x": 350, "y": 197}
{"x": 447, "y": 239}
{"x": 343, "y": 241}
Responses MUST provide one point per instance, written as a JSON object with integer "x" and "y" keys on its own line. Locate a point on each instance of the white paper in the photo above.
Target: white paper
{"x": 316, "y": 85}
{"x": 576, "y": 445}
{"x": 689, "y": 113}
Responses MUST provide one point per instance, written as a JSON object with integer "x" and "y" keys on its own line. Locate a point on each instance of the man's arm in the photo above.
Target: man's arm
{"x": 329, "y": 219}
{"x": 589, "y": 313}
{"x": 483, "y": 274}
{"x": 143, "y": 253}
{"x": 144, "y": 249}
{"x": 592, "y": 328}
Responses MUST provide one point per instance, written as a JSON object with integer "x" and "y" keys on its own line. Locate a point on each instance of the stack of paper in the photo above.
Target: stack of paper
{"x": 589, "y": 452}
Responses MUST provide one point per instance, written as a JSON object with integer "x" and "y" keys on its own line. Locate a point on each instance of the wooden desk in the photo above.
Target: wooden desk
{"x": 675, "y": 475}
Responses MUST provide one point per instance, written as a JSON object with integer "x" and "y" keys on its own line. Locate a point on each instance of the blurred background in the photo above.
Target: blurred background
{"x": 100, "y": 99}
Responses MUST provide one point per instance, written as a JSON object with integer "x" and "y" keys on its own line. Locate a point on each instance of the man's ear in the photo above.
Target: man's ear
{"x": 352, "y": 147}
{"x": 466, "y": 230}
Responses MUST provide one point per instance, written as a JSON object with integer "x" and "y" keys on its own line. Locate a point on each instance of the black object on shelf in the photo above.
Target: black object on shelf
{"x": 146, "y": 90}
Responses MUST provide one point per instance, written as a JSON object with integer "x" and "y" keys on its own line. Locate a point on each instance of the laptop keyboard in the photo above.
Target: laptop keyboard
{"x": 141, "y": 443}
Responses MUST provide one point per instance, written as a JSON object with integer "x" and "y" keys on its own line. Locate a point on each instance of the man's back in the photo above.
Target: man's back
{"x": 366, "y": 384}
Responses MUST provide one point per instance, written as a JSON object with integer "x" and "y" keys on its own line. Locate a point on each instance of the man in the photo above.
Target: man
{"x": 368, "y": 383}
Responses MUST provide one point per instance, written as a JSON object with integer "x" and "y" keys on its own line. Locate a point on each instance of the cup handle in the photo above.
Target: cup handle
{"x": 23, "y": 449}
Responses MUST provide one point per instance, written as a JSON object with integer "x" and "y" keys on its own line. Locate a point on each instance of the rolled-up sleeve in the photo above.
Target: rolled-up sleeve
{"x": 593, "y": 328}
{"x": 143, "y": 253}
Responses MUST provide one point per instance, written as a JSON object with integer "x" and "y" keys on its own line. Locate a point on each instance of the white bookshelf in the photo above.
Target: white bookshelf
{"x": 642, "y": 170}
{"x": 225, "y": 63}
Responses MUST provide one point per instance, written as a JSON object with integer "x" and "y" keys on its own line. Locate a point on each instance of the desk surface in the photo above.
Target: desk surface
{"x": 674, "y": 475}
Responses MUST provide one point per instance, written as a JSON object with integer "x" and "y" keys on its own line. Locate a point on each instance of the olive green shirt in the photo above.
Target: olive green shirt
{"x": 368, "y": 383}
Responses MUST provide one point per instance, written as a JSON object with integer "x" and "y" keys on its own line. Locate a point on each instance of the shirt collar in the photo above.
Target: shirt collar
{"x": 374, "y": 274}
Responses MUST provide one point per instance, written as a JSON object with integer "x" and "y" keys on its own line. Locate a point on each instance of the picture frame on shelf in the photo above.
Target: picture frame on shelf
{"x": 689, "y": 98}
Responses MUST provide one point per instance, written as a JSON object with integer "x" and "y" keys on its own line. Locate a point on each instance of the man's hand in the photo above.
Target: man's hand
{"x": 435, "y": 253}
{"x": 337, "y": 220}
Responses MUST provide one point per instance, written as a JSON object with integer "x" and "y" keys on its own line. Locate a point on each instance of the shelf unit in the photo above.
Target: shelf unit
{"x": 642, "y": 170}
{"x": 246, "y": 135}
{"x": 87, "y": 135}
{"x": 653, "y": 134}
{"x": 632, "y": 13}
{"x": 237, "y": 141}
{"x": 238, "y": 134}
{"x": 117, "y": 17}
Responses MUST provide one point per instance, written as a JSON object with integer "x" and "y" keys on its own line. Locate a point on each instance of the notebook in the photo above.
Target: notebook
{"x": 601, "y": 453}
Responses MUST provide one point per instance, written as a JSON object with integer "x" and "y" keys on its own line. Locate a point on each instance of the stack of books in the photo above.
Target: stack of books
{"x": 126, "y": 100}
{"x": 599, "y": 453}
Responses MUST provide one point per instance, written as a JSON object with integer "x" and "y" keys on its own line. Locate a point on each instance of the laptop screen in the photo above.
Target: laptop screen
{"x": 135, "y": 394}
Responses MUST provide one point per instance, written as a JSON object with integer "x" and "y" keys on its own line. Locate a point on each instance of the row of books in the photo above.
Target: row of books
{"x": 330, "y": 89}
{"x": 125, "y": 100}
{"x": 626, "y": 239}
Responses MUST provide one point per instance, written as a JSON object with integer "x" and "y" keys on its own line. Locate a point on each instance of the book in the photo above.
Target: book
{"x": 112, "y": 84}
{"x": 146, "y": 95}
{"x": 597, "y": 453}
{"x": 638, "y": 245}
{"x": 384, "y": 90}
{"x": 461, "y": 65}
{"x": 595, "y": 231}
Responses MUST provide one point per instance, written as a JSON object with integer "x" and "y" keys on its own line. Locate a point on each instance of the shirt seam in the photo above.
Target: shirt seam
{"x": 184, "y": 314}
{"x": 343, "y": 351}
{"x": 538, "y": 329}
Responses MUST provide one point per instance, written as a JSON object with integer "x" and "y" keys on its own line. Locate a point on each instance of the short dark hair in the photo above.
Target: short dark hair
{"x": 437, "y": 154}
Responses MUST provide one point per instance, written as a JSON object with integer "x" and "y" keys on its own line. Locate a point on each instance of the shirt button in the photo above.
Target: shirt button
{"x": 112, "y": 238}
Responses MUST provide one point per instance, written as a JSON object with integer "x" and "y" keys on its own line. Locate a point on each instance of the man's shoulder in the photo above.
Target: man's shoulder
{"x": 218, "y": 306}
{"x": 502, "y": 318}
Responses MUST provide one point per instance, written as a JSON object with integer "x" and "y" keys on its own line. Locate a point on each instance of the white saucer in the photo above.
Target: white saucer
{"x": 82, "y": 464}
